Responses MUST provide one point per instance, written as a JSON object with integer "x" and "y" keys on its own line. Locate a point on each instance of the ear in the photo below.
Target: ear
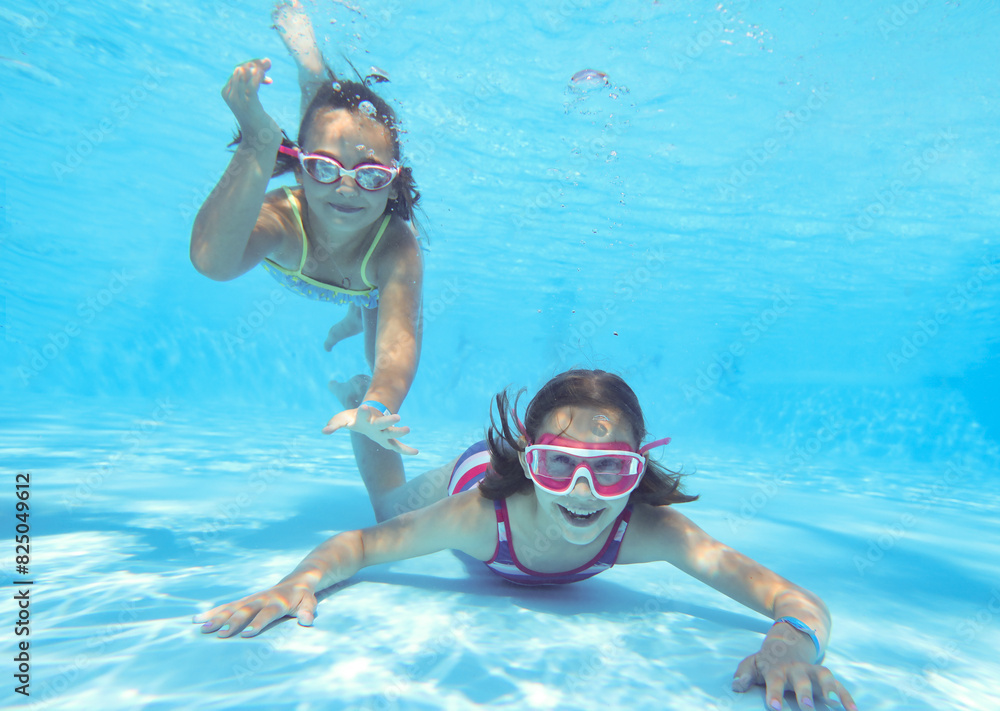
{"x": 394, "y": 185}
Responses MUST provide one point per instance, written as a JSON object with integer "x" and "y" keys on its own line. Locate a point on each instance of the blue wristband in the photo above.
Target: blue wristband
{"x": 376, "y": 405}
{"x": 803, "y": 627}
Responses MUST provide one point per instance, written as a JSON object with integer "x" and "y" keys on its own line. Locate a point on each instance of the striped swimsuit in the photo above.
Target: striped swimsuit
{"x": 469, "y": 471}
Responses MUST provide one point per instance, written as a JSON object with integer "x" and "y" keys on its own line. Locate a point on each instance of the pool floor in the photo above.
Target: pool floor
{"x": 142, "y": 521}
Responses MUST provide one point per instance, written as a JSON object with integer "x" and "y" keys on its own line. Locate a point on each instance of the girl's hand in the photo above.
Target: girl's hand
{"x": 373, "y": 425}
{"x": 240, "y": 93}
{"x": 777, "y": 676}
{"x": 260, "y": 610}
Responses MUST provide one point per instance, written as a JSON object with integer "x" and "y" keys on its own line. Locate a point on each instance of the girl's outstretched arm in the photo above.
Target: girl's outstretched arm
{"x": 463, "y": 522}
{"x": 399, "y": 330}
{"x": 788, "y": 657}
{"x": 234, "y": 229}
{"x": 395, "y": 347}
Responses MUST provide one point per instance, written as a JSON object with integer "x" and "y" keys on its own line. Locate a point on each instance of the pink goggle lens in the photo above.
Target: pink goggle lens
{"x": 612, "y": 470}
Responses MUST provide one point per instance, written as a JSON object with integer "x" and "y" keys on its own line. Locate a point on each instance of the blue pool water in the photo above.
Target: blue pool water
{"x": 779, "y": 224}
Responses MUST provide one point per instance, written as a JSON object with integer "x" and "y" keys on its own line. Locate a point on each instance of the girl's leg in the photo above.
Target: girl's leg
{"x": 381, "y": 469}
{"x": 296, "y": 31}
{"x": 424, "y": 490}
{"x": 350, "y": 325}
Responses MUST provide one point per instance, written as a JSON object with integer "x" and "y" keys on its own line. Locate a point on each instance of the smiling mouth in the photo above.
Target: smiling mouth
{"x": 579, "y": 517}
{"x": 344, "y": 208}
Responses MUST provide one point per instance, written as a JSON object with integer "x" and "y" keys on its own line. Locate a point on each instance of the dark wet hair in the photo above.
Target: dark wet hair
{"x": 349, "y": 95}
{"x": 579, "y": 388}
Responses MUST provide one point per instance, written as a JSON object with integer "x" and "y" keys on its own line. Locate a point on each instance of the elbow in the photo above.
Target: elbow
{"x": 824, "y": 611}
{"x": 201, "y": 265}
{"x": 821, "y": 610}
{"x": 817, "y": 601}
{"x": 796, "y": 596}
{"x": 201, "y": 259}
{"x": 354, "y": 546}
{"x": 207, "y": 269}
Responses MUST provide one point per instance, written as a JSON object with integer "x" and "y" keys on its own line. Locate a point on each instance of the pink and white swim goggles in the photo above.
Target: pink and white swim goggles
{"x": 327, "y": 170}
{"x": 612, "y": 469}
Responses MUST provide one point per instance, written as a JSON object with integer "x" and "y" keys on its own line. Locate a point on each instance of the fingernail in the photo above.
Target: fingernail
{"x": 807, "y": 701}
{"x": 776, "y": 704}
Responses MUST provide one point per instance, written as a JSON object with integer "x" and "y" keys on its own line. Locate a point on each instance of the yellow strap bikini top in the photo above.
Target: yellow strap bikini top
{"x": 320, "y": 291}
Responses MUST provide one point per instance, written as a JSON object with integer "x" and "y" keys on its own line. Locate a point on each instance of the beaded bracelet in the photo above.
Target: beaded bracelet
{"x": 376, "y": 405}
{"x": 803, "y": 627}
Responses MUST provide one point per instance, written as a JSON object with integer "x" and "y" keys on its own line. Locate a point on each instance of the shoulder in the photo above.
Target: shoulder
{"x": 473, "y": 506}
{"x": 478, "y": 523}
{"x": 283, "y": 203}
{"x": 399, "y": 231}
{"x": 662, "y": 520}
{"x": 398, "y": 251}
{"x": 279, "y": 224}
{"x": 660, "y": 533}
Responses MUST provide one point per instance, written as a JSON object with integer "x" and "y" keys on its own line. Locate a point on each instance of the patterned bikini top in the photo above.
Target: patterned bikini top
{"x": 320, "y": 291}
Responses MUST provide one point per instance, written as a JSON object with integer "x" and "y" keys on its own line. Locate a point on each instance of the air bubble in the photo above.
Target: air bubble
{"x": 367, "y": 108}
{"x": 587, "y": 79}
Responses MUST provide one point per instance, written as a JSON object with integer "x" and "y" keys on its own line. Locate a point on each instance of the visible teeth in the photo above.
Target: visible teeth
{"x": 578, "y": 513}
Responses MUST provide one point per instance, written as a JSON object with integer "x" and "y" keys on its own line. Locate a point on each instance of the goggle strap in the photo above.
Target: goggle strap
{"x": 655, "y": 443}
{"x": 288, "y": 151}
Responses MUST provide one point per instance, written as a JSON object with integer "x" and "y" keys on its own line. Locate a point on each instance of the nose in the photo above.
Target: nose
{"x": 343, "y": 183}
{"x": 581, "y": 486}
